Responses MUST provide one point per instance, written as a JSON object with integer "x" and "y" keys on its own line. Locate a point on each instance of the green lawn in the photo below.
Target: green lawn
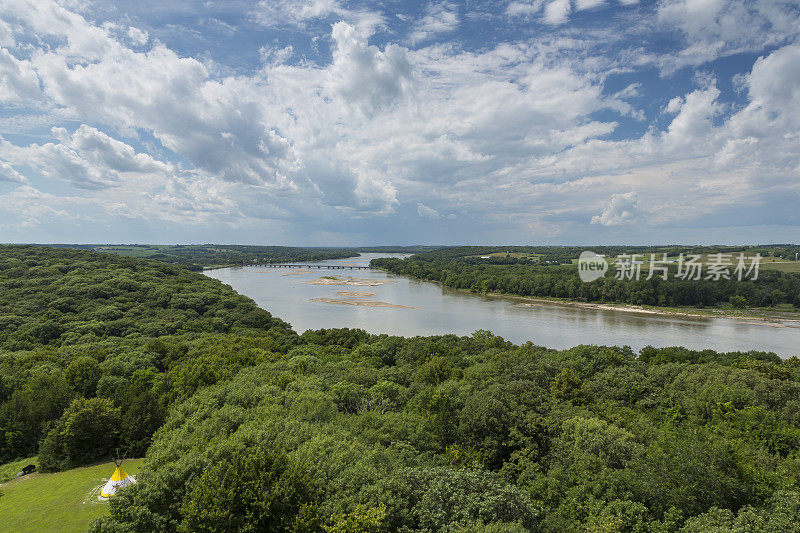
{"x": 130, "y": 251}
{"x": 516, "y": 255}
{"x": 782, "y": 265}
{"x": 9, "y": 471}
{"x": 63, "y": 502}
{"x": 766, "y": 263}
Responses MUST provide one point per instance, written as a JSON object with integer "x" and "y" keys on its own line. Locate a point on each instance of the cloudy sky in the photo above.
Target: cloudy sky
{"x": 330, "y": 122}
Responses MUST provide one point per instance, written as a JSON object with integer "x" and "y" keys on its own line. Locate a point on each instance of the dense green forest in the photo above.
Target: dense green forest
{"x": 199, "y": 256}
{"x": 250, "y": 426}
{"x": 78, "y": 324}
{"x": 463, "y": 268}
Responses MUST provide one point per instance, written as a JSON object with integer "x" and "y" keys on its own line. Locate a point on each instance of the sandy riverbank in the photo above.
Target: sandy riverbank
{"x": 774, "y": 321}
{"x": 295, "y": 272}
{"x": 355, "y": 294}
{"x": 360, "y": 282}
{"x": 360, "y": 303}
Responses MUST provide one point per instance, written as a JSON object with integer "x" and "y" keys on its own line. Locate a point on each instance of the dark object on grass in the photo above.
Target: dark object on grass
{"x": 27, "y": 470}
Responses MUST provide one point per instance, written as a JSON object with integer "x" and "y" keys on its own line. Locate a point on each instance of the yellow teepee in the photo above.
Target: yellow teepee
{"x": 118, "y": 480}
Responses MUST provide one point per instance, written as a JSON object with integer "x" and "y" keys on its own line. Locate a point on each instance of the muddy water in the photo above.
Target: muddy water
{"x": 428, "y": 309}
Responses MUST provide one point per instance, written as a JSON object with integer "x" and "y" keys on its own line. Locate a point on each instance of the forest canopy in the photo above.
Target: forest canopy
{"x": 199, "y": 256}
{"x": 247, "y": 425}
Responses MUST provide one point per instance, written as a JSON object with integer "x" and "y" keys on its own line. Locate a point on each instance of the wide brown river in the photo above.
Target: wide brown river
{"x": 433, "y": 310}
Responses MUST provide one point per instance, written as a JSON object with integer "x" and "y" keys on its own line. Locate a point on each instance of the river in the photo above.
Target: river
{"x": 435, "y": 310}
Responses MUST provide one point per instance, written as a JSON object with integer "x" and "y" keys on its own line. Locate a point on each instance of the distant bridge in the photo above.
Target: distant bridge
{"x": 331, "y": 267}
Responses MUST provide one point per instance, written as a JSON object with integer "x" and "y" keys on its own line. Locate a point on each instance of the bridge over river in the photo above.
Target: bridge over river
{"x": 333, "y": 267}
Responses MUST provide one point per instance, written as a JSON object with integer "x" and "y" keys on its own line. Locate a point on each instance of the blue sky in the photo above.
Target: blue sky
{"x": 327, "y": 122}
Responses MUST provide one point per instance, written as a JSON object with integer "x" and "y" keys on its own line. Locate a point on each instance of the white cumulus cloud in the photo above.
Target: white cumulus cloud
{"x": 427, "y": 212}
{"x": 622, "y": 209}
{"x": 8, "y": 173}
{"x": 557, "y": 11}
{"x": 439, "y": 18}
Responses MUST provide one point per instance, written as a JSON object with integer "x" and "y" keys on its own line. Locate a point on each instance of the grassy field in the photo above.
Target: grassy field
{"x": 775, "y": 263}
{"x": 63, "y": 502}
{"x": 131, "y": 251}
{"x": 9, "y": 471}
{"x": 766, "y": 263}
{"x": 516, "y": 255}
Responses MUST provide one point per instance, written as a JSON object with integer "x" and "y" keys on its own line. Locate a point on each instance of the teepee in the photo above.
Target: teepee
{"x": 118, "y": 480}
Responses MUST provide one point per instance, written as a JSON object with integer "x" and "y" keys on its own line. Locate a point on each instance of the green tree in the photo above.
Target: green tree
{"x": 255, "y": 490}
{"x": 362, "y": 520}
{"x": 87, "y": 431}
{"x": 567, "y": 385}
{"x": 83, "y": 374}
{"x": 738, "y": 301}
{"x": 433, "y": 499}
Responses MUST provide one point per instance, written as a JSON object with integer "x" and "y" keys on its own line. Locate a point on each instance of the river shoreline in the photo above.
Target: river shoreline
{"x": 769, "y": 318}
{"x": 774, "y": 320}
{"x": 546, "y": 322}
